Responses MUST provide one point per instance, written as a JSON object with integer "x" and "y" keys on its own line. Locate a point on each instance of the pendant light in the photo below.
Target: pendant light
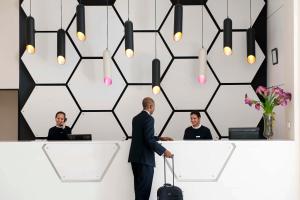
{"x": 80, "y": 16}
{"x": 227, "y": 35}
{"x": 129, "y": 49}
{"x": 178, "y": 22}
{"x": 155, "y": 65}
{"x": 201, "y": 77}
{"x": 61, "y": 41}
{"x": 30, "y": 33}
{"x": 251, "y": 58}
{"x": 106, "y": 56}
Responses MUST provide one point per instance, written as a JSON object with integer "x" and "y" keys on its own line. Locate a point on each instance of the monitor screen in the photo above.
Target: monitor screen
{"x": 80, "y": 137}
{"x": 244, "y": 133}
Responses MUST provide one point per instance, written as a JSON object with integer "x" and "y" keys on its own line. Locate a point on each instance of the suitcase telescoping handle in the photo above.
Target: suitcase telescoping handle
{"x": 165, "y": 169}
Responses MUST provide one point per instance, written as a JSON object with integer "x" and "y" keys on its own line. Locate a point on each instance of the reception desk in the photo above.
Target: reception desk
{"x": 210, "y": 170}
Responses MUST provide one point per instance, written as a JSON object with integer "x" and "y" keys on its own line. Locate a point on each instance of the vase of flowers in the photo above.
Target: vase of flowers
{"x": 271, "y": 97}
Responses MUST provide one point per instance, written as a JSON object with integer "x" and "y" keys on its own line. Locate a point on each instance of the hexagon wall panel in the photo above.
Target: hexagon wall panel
{"x": 77, "y": 87}
{"x": 89, "y": 89}
{"x": 102, "y": 126}
{"x": 44, "y": 101}
{"x": 47, "y": 13}
{"x": 131, "y": 104}
{"x": 234, "y": 68}
{"x": 95, "y": 26}
{"x": 43, "y": 65}
{"x": 143, "y": 19}
{"x": 138, "y": 69}
{"x": 191, "y": 34}
{"x": 181, "y": 120}
{"x": 235, "y": 8}
{"x": 228, "y": 109}
{"x": 182, "y": 88}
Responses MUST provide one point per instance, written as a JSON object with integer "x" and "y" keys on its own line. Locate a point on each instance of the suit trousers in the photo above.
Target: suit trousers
{"x": 143, "y": 176}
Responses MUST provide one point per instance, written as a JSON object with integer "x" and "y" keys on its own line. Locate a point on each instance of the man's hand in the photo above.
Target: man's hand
{"x": 168, "y": 154}
{"x": 166, "y": 138}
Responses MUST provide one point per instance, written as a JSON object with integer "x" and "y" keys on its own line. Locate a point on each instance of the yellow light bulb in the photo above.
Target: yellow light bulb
{"x": 178, "y": 36}
{"x": 227, "y": 51}
{"x": 129, "y": 53}
{"x": 30, "y": 49}
{"x": 251, "y": 59}
{"x": 61, "y": 60}
{"x": 156, "y": 89}
{"x": 81, "y": 36}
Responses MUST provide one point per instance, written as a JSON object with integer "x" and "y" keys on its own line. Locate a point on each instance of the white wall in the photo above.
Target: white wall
{"x": 296, "y": 12}
{"x": 280, "y": 36}
{"x": 9, "y": 40}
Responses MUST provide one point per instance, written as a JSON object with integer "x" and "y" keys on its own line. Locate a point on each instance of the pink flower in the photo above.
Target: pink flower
{"x": 261, "y": 90}
{"x": 257, "y": 106}
{"x": 277, "y": 91}
{"x": 248, "y": 101}
{"x": 271, "y": 97}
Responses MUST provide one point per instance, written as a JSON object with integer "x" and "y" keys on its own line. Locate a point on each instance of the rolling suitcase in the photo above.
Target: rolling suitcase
{"x": 168, "y": 191}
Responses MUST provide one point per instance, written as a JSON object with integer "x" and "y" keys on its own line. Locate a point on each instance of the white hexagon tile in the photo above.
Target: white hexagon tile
{"x": 47, "y": 13}
{"x": 181, "y": 86}
{"x": 228, "y": 110}
{"x": 138, "y": 69}
{"x": 89, "y": 89}
{"x": 95, "y": 24}
{"x": 131, "y": 105}
{"x": 234, "y": 68}
{"x": 42, "y": 105}
{"x": 102, "y": 126}
{"x": 142, "y": 12}
{"x": 181, "y": 120}
{"x": 43, "y": 65}
{"x": 191, "y": 32}
{"x": 235, "y": 8}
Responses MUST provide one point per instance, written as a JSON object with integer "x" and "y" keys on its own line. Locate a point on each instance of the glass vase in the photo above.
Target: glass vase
{"x": 268, "y": 125}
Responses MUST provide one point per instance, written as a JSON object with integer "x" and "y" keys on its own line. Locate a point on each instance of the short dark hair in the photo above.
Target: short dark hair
{"x": 60, "y": 112}
{"x": 197, "y": 113}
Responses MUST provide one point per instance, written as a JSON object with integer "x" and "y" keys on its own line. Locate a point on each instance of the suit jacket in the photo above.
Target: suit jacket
{"x": 144, "y": 143}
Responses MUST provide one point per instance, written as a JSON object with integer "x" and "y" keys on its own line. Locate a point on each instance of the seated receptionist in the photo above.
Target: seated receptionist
{"x": 197, "y": 131}
{"x": 60, "y": 130}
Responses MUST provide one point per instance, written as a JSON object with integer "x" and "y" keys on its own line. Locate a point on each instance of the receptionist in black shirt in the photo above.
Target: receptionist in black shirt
{"x": 197, "y": 131}
{"x": 60, "y": 130}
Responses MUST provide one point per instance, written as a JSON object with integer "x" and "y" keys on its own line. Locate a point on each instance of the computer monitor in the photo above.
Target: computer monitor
{"x": 80, "y": 137}
{"x": 244, "y": 133}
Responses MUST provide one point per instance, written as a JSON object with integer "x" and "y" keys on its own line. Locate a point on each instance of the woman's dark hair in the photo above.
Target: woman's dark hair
{"x": 60, "y": 112}
{"x": 197, "y": 113}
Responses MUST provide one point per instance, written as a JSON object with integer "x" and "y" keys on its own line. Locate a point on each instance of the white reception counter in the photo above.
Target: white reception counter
{"x": 210, "y": 170}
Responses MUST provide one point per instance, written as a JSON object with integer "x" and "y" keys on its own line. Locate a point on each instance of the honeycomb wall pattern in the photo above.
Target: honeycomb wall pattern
{"x": 106, "y": 112}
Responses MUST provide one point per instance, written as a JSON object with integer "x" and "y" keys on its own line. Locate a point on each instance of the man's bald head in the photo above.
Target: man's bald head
{"x": 148, "y": 102}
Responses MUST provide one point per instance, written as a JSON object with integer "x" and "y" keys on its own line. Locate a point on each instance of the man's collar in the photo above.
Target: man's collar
{"x": 147, "y": 112}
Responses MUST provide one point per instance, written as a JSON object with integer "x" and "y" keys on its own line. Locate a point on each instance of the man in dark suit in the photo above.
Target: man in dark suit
{"x": 143, "y": 146}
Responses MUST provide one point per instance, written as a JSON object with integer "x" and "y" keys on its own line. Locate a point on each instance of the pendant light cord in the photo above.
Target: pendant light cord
{"x": 61, "y": 13}
{"x": 250, "y": 14}
{"x": 155, "y": 30}
{"x": 128, "y": 10}
{"x": 106, "y": 24}
{"x": 202, "y": 26}
{"x": 227, "y": 10}
{"x": 30, "y": 8}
